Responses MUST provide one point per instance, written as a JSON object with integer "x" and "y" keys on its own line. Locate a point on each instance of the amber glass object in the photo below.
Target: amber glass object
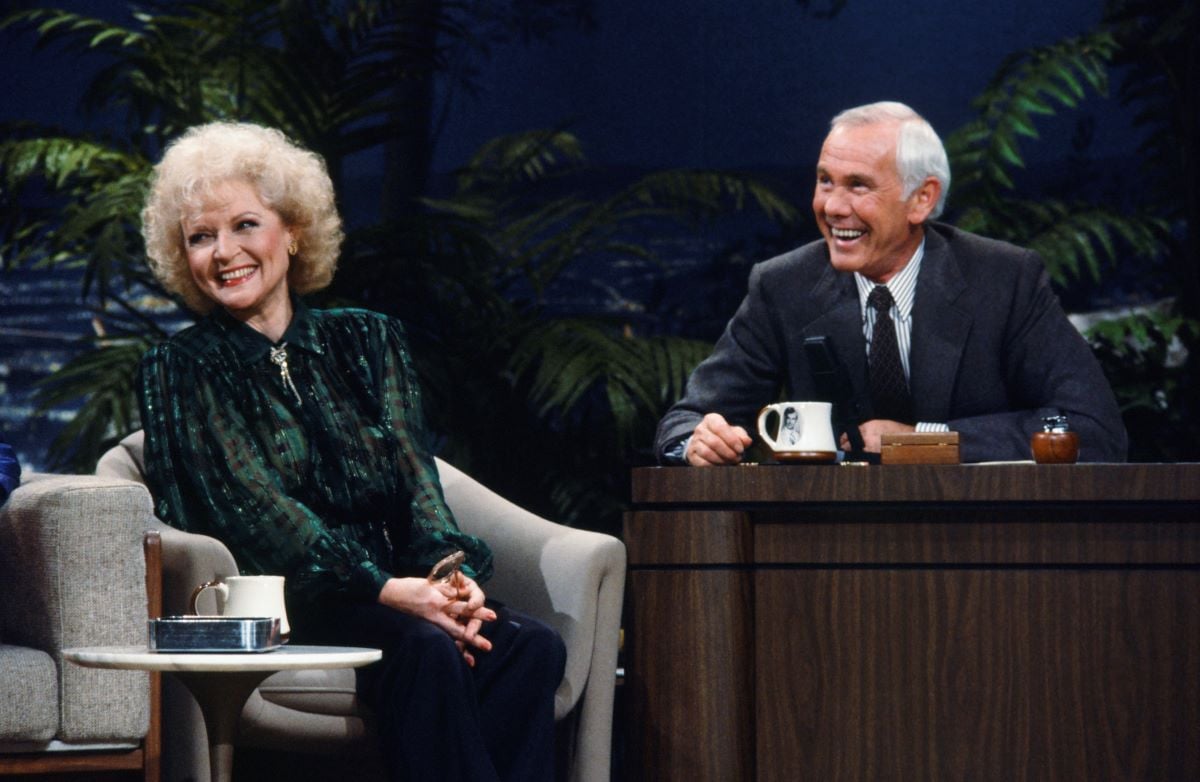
{"x": 1056, "y": 443}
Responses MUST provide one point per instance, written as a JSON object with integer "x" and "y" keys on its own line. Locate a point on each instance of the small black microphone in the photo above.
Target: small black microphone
{"x": 833, "y": 385}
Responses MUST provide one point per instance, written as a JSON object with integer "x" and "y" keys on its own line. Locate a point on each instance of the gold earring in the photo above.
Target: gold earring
{"x": 293, "y": 248}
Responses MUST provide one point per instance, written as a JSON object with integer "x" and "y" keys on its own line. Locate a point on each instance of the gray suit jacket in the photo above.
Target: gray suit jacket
{"x": 992, "y": 351}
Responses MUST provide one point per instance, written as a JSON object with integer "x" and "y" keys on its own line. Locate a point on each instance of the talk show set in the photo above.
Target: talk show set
{"x": 536, "y": 471}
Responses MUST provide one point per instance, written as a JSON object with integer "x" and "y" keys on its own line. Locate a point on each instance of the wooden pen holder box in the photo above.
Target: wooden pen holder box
{"x": 919, "y": 448}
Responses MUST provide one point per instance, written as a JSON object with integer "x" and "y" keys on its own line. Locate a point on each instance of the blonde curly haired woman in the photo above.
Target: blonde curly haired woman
{"x": 295, "y": 436}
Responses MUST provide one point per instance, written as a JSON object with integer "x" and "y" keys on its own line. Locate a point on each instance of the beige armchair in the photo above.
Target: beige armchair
{"x": 72, "y": 574}
{"x": 571, "y": 579}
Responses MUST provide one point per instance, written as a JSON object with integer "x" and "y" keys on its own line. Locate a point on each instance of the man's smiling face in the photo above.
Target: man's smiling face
{"x": 867, "y": 224}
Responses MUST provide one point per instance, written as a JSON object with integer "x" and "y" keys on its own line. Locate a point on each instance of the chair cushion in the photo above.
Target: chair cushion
{"x": 314, "y": 691}
{"x": 28, "y": 694}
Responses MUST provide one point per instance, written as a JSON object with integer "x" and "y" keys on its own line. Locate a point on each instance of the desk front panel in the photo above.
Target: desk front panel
{"x": 959, "y": 534}
{"x": 915, "y": 638}
{"x": 950, "y": 674}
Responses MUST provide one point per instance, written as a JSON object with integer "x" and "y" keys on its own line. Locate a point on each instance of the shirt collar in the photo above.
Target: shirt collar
{"x": 252, "y": 345}
{"x": 903, "y": 286}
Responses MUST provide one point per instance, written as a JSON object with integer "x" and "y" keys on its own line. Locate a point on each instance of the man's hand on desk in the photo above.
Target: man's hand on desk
{"x": 872, "y": 431}
{"x": 714, "y": 441}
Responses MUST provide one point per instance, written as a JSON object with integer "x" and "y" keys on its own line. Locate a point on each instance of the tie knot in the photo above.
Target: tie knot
{"x": 880, "y": 298}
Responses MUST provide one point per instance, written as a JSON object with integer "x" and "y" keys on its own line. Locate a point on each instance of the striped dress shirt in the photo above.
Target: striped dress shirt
{"x": 903, "y": 288}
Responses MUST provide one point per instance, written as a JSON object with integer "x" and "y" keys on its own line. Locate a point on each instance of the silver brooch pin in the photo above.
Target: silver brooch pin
{"x": 279, "y": 358}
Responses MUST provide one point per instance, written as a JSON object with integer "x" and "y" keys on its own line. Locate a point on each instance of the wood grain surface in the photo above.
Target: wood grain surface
{"x": 692, "y": 690}
{"x": 1013, "y": 675}
{"x": 691, "y": 538}
{"x": 925, "y": 622}
{"x": 901, "y": 483}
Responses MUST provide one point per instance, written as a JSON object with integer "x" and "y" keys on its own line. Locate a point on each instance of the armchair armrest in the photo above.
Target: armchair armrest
{"x": 574, "y": 580}
{"x": 72, "y": 574}
{"x": 188, "y": 560}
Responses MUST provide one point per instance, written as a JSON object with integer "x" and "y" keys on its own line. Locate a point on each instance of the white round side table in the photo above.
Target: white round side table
{"x": 221, "y": 682}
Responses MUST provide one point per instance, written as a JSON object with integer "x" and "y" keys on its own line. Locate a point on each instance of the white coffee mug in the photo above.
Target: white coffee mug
{"x": 804, "y": 431}
{"x": 247, "y": 596}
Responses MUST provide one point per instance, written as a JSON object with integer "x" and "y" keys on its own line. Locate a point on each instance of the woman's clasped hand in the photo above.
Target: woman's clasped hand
{"x": 456, "y": 605}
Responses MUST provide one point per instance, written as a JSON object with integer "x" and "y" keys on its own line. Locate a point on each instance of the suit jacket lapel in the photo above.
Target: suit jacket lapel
{"x": 941, "y": 326}
{"x": 842, "y": 323}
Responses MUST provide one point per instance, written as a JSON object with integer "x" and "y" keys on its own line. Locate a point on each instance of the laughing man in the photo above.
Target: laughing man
{"x": 977, "y": 340}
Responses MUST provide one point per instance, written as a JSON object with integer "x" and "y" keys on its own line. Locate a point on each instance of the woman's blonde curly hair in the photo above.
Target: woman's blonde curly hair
{"x": 290, "y": 180}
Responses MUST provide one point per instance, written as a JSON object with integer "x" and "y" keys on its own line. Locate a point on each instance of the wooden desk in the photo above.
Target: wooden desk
{"x": 915, "y": 622}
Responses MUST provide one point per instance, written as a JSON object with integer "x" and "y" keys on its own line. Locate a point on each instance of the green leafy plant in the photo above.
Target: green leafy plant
{"x": 1083, "y": 239}
{"x": 109, "y": 410}
{"x": 1078, "y": 239}
{"x": 562, "y": 400}
{"x": 1145, "y": 355}
{"x": 559, "y": 400}
{"x": 1159, "y": 61}
{"x": 327, "y": 73}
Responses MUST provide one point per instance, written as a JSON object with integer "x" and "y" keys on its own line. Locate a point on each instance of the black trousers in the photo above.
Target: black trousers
{"x": 440, "y": 719}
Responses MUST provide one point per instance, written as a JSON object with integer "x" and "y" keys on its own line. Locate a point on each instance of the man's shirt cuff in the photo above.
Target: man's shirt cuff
{"x": 677, "y": 453}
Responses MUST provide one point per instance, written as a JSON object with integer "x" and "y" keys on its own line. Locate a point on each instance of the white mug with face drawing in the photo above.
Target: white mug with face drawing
{"x": 804, "y": 432}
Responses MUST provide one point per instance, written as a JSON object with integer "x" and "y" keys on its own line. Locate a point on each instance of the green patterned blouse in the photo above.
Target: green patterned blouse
{"x": 326, "y": 481}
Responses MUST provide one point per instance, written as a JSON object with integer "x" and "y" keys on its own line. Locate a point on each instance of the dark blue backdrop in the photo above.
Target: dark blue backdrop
{"x": 698, "y": 83}
{"x": 707, "y": 83}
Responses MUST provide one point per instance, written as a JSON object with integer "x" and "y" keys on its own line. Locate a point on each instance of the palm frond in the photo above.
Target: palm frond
{"x": 520, "y": 157}
{"x": 104, "y": 379}
{"x": 706, "y": 194}
{"x": 541, "y": 235}
{"x": 604, "y": 225}
{"x": 570, "y": 361}
{"x": 96, "y": 228}
{"x": 578, "y": 501}
{"x": 62, "y": 161}
{"x": 1086, "y": 239}
{"x": 74, "y": 31}
{"x": 1037, "y": 82}
{"x": 1148, "y": 357}
{"x": 1076, "y": 239}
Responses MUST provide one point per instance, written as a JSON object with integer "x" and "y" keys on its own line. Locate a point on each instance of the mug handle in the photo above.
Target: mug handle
{"x": 217, "y": 585}
{"x": 762, "y": 426}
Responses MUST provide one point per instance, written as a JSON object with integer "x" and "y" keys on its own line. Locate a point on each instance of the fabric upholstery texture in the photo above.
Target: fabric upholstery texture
{"x": 72, "y": 574}
{"x": 571, "y": 579}
{"x": 27, "y": 677}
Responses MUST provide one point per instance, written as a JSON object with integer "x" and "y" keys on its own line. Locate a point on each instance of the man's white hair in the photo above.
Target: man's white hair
{"x": 919, "y": 151}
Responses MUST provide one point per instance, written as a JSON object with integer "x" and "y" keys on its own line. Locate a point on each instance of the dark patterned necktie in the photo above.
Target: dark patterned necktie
{"x": 889, "y": 390}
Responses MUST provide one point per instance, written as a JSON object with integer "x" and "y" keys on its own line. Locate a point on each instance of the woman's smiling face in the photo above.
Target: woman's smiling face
{"x": 237, "y": 250}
